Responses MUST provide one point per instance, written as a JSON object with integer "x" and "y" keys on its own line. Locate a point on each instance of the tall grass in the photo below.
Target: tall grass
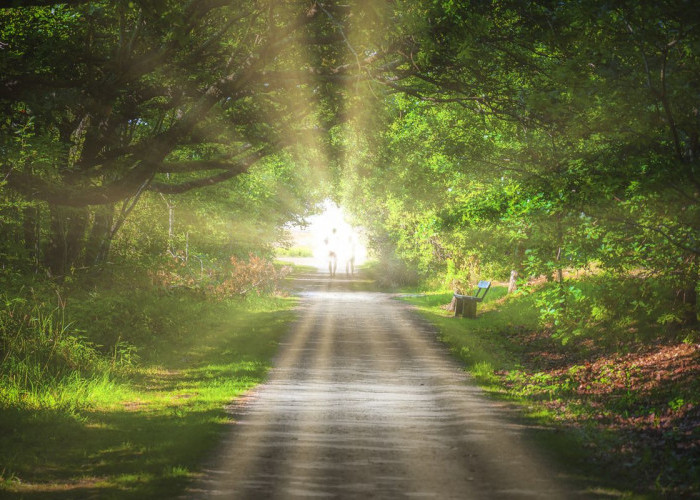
{"x": 119, "y": 387}
{"x": 46, "y": 362}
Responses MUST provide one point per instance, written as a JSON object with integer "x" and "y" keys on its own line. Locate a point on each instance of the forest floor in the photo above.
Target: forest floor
{"x": 634, "y": 406}
{"x": 643, "y": 402}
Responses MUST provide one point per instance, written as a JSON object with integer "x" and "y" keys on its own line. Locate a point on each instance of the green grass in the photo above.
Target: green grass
{"x": 295, "y": 251}
{"x": 483, "y": 350}
{"x": 138, "y": 419}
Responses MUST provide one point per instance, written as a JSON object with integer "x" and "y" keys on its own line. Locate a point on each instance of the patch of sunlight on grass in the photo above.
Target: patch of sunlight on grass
{"x": 540, "y": 413}
{"x": 482, "y": 339}
{"x": 71, "y": 393}
{"x": 129, "y": 480}
{"x": 177, "y": 471}
{"x": 212, "y": 371}
{"x": 483, "y": 370}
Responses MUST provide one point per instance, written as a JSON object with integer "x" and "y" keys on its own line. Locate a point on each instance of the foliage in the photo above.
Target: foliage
{"x": 101, "y": 103}
{"x": 254, "y": 275}
{"x": 239, "y": 278}
{"x": 536, "y": 140}
{"x": 391, "y": 274}
{"x": 129, "y": 87}
{"x": 48, "y": 354}
{"x": 48, "y": 362}
{"x": 556, "y": 143}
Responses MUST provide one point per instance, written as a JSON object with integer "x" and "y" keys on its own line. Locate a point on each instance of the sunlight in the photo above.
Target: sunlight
{"x": 346, "y": 239}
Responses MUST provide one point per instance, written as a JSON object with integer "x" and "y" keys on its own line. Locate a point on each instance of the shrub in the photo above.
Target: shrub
{"x": 256, "y": 274}
{"x": 237, "y": 278}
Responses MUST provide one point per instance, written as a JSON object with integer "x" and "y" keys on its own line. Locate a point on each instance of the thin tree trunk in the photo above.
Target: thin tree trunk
{"x": 518, "y": 255}
{"x": 31, "y": 228}
{"x": 560, "y": 249}
{"x": 117, "y": 222}
{"x": 560, "y": 271}
{"x": 689, "y": 294}
{"x": 171, "y": 223}
{"x": 513, "y": 281}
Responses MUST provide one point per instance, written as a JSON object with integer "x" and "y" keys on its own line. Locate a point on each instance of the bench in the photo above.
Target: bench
{"x": 465, "y": 305}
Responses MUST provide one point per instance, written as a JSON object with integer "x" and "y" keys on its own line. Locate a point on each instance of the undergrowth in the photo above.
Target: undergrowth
{"x": 116, "y": 386}
{"x": 622, "y": 386}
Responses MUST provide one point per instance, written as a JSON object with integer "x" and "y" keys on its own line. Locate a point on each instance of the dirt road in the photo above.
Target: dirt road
{"x": 363, "y": 402}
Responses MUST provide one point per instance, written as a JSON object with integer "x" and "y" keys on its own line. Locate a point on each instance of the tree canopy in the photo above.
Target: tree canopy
{"x": 539, "y": 136}
{"x": 468, "y": 137}
{"x": 104, "y": 101}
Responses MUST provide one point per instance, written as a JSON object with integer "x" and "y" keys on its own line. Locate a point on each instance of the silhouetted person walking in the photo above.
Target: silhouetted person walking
{"x": 350, "y": 262}
{"x": 332, "y": 244}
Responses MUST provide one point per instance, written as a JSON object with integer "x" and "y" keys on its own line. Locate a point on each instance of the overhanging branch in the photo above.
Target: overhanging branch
{"x": 232, "y": 170}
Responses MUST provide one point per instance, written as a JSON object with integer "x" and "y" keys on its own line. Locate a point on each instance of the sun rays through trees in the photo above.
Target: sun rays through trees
{"x": 167, "y": 147}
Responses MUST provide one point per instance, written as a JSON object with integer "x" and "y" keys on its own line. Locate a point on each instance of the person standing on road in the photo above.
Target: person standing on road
{"x": 350, "y": 262}
{"x": 332, "y": 244}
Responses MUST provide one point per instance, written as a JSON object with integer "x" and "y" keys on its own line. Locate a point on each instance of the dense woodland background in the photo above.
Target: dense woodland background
{"x": 155, "y": 150}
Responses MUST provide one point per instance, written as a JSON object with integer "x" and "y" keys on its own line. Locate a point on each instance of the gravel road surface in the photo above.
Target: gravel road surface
{"x": 364, "y": 402}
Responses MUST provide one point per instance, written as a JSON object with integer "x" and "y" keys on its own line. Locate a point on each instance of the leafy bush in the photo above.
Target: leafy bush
{"x": 391, "y": 273}
{"x": 609, "y": 307}
{"x": 236, "y": 279}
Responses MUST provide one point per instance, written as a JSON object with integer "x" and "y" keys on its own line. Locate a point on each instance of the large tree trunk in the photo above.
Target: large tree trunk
{"x": 66, "y": 239}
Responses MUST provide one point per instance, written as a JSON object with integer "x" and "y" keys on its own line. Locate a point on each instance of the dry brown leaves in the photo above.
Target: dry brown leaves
{"x": 644, "y": 401}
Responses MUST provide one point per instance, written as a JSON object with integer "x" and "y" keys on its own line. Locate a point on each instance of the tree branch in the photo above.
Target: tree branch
{"x": 36, "y": 188}
{"x": 231, "y": 172}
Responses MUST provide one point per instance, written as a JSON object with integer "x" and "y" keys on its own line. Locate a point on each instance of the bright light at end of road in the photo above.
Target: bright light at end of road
{"x": 346, "y": 239}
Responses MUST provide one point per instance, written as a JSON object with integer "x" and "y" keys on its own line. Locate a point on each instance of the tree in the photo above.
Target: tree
{"x": 113, "y": 99}
{"x": 587, "y": 113}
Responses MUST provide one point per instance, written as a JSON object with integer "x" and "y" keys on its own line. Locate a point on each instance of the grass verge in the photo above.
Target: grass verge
{"x": 625, "y": 414}
{"x": 137, "y": 417}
